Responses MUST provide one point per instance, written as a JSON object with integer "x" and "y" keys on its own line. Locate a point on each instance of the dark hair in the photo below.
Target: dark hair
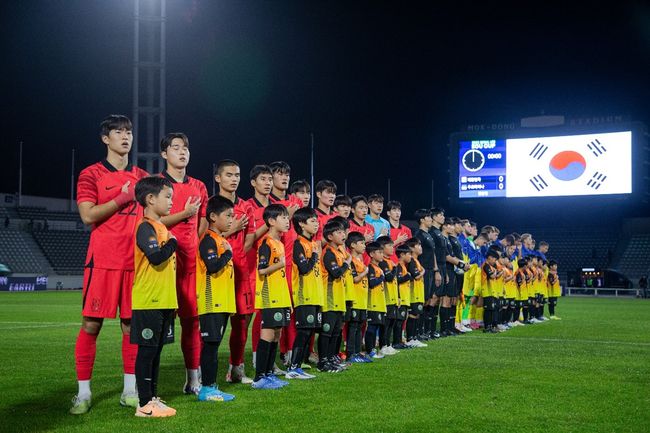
{"x": 542, "y": 244}
{"x": 371, "y": 247}
{"x": 448, "y": 221}
{"x": 522, "y": 262}
{"x": 510, "y": 239}
{"x": 455, "y": 220}
{"x": 353, "y": 238}
{"x": 472, "y": 223}
{"x": 375, "y": 197}
{"x": 393, "y": 204}
{"x": 325, "y": 185}
{"x": 280, "y": 167}
{"x": 114, "y": 121}
{"x": 402, "y": 249}
{"x": 223, "y": 164}
{"x": 331, "y": 227}
{"x": 167, "y": 140}
{"x": 150, "y": 185}
{"x": 482, "y": 236}
{"x": 301, "y": 216}
{"x": 342, "y": 220}
{"x": 258, "y": 170}
{"x": 298, "y": 186}
{"x": 463, "y": 221}
{"x": 342, "y": 200}
{"x": 495, "y": 247}
{"x": 493, "y": 253}
{"x": 552, "y": 263}
{"x": 436, "y": 211}
{"x": 273, "y": 211}
{"x": 384, "y": 240}
{"x": 412, "y": 242}
{"x": 358, "y": 199}
{"x": 516, "y": 236}
{"x": 421, "y": 214}
{"x": 218, "y": 205}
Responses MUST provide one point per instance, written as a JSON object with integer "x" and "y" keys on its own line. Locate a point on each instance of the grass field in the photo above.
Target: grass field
{"x": 589, "y": 372}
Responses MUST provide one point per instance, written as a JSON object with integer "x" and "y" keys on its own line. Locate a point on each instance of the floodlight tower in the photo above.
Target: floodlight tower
{"x": 148, "y": 83}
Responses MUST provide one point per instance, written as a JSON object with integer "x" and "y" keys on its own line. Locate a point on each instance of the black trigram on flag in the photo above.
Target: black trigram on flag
{"x": 539, "y": 150}
{"x": 596, "y": 148}
{"x": 538, "y": 182}
{"x": 596, "y": 180}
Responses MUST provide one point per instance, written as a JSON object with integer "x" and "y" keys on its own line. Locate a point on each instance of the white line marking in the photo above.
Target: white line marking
{"x": 560, "y": 340}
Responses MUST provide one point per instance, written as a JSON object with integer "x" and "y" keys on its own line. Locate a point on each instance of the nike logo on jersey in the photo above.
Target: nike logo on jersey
{"x": 110, "y": 187}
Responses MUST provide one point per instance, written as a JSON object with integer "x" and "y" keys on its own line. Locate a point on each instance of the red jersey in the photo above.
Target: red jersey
{"x": 323, "y": 218}
{"x": 237, "y": 240}
{"x": 364, "y": 229}
{"x": 257, "y": 221}
{"x": 111, "y": 241}
{"x": 395, "y": 232}
{"x": 289, "y": 237}
{"x": 186, "y": 231}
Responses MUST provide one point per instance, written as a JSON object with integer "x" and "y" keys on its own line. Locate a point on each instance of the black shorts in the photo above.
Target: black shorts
{"x": 308, "y": 317}
{"x": 552, "y": 301}
{"x": 357, "y": 315}
{"x": 332, "y": 323}
{"x": 416, "y": 308}
{"x": 490, "y": 303}
{"x": 429, "y": 281}
{"x": 511, "y": 302}
{"x": 273, "y": 318}
{"x": 531, "y": 300}
{"x": 213, "y": 326}
{"x": 152, "y": 327}
{"x": 403, "y": 312}
{"x": 441, "y": 289}
{"x": 391, "y": 312}
{"x": 376, "y": 318}
{"x": 348, "y": 311}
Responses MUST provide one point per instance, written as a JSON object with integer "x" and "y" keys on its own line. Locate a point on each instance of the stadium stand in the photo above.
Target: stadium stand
{"x": 21, "y": 253}
{"x": 635, "y": 260}
{"x": 66, "y": 250}
{"x": 41, "y": 214}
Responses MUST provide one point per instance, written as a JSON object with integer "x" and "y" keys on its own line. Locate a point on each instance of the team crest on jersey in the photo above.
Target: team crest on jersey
{"x": 310, "y": 318}
{"x": 277, "y": 316}
{"x": 354, "y": 313}
{"x": 326, "y": 327}
{"x": 419, "y": 307}
{"x": 147, "y": 334}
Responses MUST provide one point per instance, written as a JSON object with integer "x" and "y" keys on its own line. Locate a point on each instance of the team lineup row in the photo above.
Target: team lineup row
{"x": 159, "y": 247}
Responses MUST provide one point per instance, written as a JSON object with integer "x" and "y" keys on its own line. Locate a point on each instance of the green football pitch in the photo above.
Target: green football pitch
{"x": 589, "y": 372}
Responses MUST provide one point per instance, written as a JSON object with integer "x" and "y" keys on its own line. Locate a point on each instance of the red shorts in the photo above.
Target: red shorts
{"x": 186, "y": 294}
{"x": 105, "y": 290}
{"x": 244, "y": 296}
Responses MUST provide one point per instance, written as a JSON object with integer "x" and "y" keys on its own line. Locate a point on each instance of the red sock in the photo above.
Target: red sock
{"x": 238, "y": 337}
{"x": 311, "y": 344}
{"x": 129, "y": 353}
{"x": 191, "y": 342}
{"x": 84, "y": 354}
{"x": 344, "y": 333}
{"x": 257, "y": 330}
{"x": 288, "y": 336}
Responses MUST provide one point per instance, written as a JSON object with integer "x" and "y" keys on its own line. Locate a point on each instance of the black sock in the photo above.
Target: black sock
{"x": 397, "y": 332}
{"x": 144, "y": 373}
{"x": 551, "y": 307}
{"x": 434, "y": 318}
{"x": 209, "y": 363}
{"x": 388, "y": 333}
{"x": 357, "y": 338}
{"x": 427, "y": 320}
{"x": 350, "y": 347}
{"x": 273, "y": 351}
{"x": 515, "y": 315}
{"x": 419, "y": 325}
{"x": 262, "y": 358}
{"x": 335, "y": 344}
{"x": 444, "y": 319}
{"x": 411, "y": 326}
{"x": 299, "y": 344}
{"x": 541, "y": 310}
{"x": 487, "y": 318}
{"x": 323, "y": 347}
{"x": 452, "y": 317}
{"x": 371, "y": 337}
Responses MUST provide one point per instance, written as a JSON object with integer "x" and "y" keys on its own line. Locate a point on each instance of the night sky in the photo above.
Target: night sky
{"x": 381, "y": 85}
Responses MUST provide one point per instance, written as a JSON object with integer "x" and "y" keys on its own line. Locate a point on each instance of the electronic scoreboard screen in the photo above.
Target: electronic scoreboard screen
{"x": 568, "y": 165}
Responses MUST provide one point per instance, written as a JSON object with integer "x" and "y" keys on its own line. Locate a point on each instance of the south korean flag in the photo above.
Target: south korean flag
{"x": 590, "y": 164}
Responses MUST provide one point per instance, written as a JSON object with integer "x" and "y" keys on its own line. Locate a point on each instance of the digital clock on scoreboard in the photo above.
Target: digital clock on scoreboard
{"x": 482, "y": 168}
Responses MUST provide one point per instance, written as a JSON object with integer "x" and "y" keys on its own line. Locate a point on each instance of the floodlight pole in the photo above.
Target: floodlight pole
{"x": 20, "y": 174}
{"x": 312, "y": 169}
{"x": 72, "y": 183}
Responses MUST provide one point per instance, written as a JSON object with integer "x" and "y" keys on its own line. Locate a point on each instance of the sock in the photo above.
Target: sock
{"x": 155, "y": 370}
{"x": 397, "y": 332}
{"x": 84, "y": 353}
{"x": 525, "y": 313}
{"x": 487, "y": 318}
{"x": 323, "y": 347}
{"x": 434, "y": 318}
{"x": 442, "y": 313}
{"x": 288, "y": 335}
{"x": 312, "y": 342}
{"x": 273, "y": 351}
{"x": 129, "y": 384}
{"x": 190, "y": 342}
{"x": 357, "y": 338}
{"x": 262, "y": 358}
{"x": 370, "y": 335}
{"x": 144, "y": 373}
{"x": 472, "y": 313}
{"x": 479, "y": 314}
{"x": 351, "y": 337}
{"x": 299, "y": 345}
{"x": 452, "y": 317}
{"x": 410, "y": 329}
{"x": 551, "y": 309}
{"x": 335, "y": 344}
{"x": 129, "y": 354}
{"x": 84, "y": 389}
{"x": 541, "y": 310}
{"x": 427, "y": 319}
{"x": 419, "y": 325}
{"x": 209, "y": 363}
{"x": 515, "y": 315}
{"x": 238, "y": 336}
{"x": 256, "y": 331}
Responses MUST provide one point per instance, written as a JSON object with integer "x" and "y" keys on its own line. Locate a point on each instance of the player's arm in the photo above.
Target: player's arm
{"x": 213, "y": 261}
{"x": 147, "y": 242}
{"x": 191, "y": 208}
{"x": 414, "y": 271}
{"x": 304, "y": 265}
{"x": 358, "y": 276}
{"x": 263, "y": 265}
{"x": 388, "y": 274}
{"x": 402, "y": 277}
{"x": 374, "y": 280}
{"x": 93, "y": 213}
{"x": 331, "y": 265}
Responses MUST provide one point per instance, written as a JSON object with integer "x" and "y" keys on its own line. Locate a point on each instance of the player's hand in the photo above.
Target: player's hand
{"x": 369, "y": 237}
{"x": 239, "y": 224}
{"x": 292, "y": 208}
{"x": 318, "y": 249}
{"x": 282, "y": 261}
{"x": 348, "y": 259}
{"x": 446, "y": 279}
{"x": 383, "y": 231}
{"x": 438, "y": 279}
{"x": 403, "y": 237}
{"x": 192, "y": 206}
{"x": 171, "y": 236}
{"x": 227, "y": 246}
{"x": 126, "y": 195}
